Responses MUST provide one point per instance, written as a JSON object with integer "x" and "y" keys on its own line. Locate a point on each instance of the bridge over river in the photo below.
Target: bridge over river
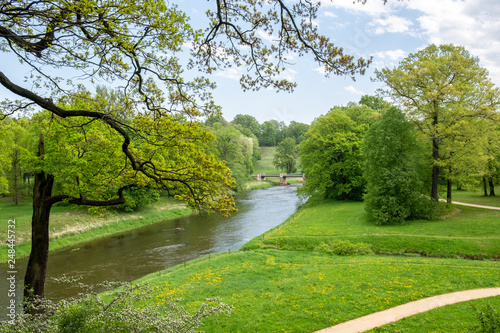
{"x": 283, "y": 176}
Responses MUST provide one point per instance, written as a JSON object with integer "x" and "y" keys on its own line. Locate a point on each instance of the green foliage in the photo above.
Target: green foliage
{"x": 137, "y": 198}
{"x": 344, "y": 248}
{"x": 395, "y": 187}
{"x": 445, "y": 91}
{"x": 488, "y": 318}
{"x": 124, "y": 310}
{"x": 331, "y": 155}
{"x": 249, "y": 125}
{"x": 286, "y": 156}
{"x": 236, "y": 150}
{"x": 297, "y": 131}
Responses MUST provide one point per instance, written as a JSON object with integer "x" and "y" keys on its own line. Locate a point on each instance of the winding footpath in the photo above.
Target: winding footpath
{"x": 377, "y": 319}
{"x": 371, "y": 321}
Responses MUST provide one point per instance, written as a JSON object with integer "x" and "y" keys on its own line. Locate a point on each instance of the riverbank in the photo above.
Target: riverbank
{"x": 287, "y": 281}
{"x": 69, "y": 227}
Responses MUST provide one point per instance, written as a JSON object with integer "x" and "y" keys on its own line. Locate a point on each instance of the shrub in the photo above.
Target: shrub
{"x": 343, "y": 248}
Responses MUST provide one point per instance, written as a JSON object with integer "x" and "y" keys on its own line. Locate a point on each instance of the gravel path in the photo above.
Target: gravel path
{"x": 377, "y": 319}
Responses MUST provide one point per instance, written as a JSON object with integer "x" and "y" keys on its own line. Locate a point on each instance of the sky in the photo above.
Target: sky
{"x": 387, "y": 32}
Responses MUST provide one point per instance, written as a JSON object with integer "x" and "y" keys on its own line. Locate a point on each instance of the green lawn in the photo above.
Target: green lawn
{"x": 297, "y": 291}
{"x": 470, "y": 232}
{"x": 476, "y": 197}
{"x": 265, "y": 165}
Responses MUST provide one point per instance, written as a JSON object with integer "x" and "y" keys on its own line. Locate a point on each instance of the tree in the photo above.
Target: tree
{"x": 441, "y": 88}
{"x": 393, "y": 171}
{"x": 250, "y": 126}
{"x": 297, "y": 131}
{"x": 331, "y": 157}
{"x": 374, "y": 102}
{"x": 235, "y": 149}
{"x": 135, "y": 44}
{"x": 286, "y": 156}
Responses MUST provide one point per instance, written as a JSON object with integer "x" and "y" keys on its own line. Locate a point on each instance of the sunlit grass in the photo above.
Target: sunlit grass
{"x": 265, "y": 165}
{"x": 296, "y": 291}
{"x": 473, "y": 232}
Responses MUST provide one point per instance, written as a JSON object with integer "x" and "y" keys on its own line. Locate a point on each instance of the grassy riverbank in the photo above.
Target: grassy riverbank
{"x": 281, "y": 283}
{"x": 69, "y": 227}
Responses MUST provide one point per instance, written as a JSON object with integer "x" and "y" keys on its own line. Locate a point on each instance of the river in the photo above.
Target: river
{"x": 131, "y": 255}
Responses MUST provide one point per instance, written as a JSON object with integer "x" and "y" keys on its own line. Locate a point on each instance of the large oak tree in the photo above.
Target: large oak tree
{"x": 133, "y": 45}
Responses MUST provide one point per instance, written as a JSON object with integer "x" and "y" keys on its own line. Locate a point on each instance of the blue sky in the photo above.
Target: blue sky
{"x": 387, "y": 32}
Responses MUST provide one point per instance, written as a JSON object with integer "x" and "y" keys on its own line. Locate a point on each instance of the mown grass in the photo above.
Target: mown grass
{"x": 298, "y": 291}
{"x": 472, "y": 232}
{"x": 70, "y": 227}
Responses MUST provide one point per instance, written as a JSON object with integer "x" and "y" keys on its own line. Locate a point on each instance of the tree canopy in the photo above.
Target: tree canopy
{"x": 331, "y": 154}
{"x": 394, "y": 171}
{"x": 442, "y": 88}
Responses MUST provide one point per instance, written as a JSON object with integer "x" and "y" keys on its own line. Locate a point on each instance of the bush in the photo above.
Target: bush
{"x": 124, "y": 311}
{"x": 136, "y": 198}
{"x": 343, "y": 248}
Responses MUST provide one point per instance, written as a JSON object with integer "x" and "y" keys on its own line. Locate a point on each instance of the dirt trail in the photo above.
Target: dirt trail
{"x": 377, "y": 319}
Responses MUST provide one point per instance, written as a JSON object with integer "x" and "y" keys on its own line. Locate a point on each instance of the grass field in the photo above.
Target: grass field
{"x": 69, "y": 226}
{"x": 265, "y": 165}
{"x": 295, "y": 289}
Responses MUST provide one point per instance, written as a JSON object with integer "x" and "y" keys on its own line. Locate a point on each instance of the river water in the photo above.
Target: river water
{"x": 133, "y": 254}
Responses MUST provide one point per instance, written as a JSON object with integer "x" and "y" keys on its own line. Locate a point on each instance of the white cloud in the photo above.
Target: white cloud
{"x": 230, "y": 73}
{"x": 390, "y": 23}
{"x": 266, "y": 36}
{"x": 393, "y": 55}
{"x": 353, "y": 90}
{"x": 470, "y": 23}
{"x": 330, "y": 14}
{"x": 321, "y": 70}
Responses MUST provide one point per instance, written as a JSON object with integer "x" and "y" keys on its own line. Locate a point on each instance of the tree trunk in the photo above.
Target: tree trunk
{"x": 492, "y": 187}
{"x": 485, "y": 188}
{"x": 448, "y": 192}
{"x": 34, "y": 279}
{"x": 435, "y": 169}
